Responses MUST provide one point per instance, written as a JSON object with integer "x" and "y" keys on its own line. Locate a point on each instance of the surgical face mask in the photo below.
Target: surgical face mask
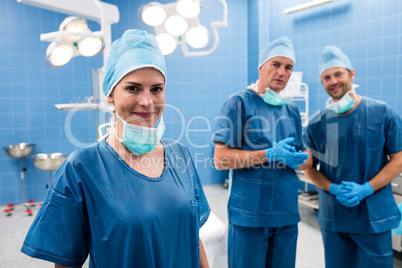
{"x": 140, "y": 140}
{"x": 273, "y": 98}
{"x": 343, "y": 105}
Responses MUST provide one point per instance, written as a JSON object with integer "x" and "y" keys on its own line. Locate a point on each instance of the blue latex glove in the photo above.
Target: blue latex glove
{"x": 398, "y": 231}
{"x": 336, "y": 189}
{"x": 288, "y": 147}
{"x": 354, "y": 193}
{"x": 285, "y": 153}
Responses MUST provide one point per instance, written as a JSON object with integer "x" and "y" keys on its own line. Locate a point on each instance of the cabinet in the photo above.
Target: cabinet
{"x": 298, "y": 92}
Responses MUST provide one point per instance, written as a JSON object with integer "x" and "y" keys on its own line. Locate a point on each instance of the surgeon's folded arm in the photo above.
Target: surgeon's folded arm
{"x": 388, "y": 173}
{"x": 318, "y": 179}
{"x": 226, "y": 157}
{"x": 308, "y": 163}
{"x": 203, "y": 256}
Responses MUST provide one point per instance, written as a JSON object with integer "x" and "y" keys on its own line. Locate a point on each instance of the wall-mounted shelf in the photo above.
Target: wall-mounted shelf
{"x": 96, "y": 102}
{"x": 77, "y": 106}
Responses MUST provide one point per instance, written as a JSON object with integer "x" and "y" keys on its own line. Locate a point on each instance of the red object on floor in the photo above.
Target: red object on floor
{"x": 7, "y": 210}
{"x": 31, "y": 201}
{"x": 29, "y": 212}
{"x": 10, "y": 205}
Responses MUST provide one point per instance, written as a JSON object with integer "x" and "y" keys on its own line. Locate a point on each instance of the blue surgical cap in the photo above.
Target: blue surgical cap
{"x": 134, "y": 50}
{"x": 332, "y": 57}
{"x": 281, "y": 47}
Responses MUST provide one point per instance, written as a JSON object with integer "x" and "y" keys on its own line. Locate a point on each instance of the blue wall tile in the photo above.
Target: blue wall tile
{"x": 375, "y": 67}
{"x": 390, "y": 46}
{"x": 368, "y": 31}
{"x": 389, "y": 66}
{"x": 375, "y": 9}
{"x": 197, "y": 85}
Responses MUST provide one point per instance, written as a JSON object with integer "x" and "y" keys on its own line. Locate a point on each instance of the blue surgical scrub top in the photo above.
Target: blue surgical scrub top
{"x": 354, "y": 147}
{"x": 262, "y": 195}
{"x": 99, "y": 205}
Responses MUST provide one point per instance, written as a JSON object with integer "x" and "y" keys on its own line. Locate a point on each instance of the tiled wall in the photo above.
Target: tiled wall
{"x": 198, "y": 86}
{"x": 29, "y": 91}
{"x": 368, "y": 31}
{"x": 257, "y": 35}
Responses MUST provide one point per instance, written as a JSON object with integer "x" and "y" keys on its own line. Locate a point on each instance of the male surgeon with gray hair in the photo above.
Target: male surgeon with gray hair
{"x": 357, "y": 143}
{"x": 259, "y": 136}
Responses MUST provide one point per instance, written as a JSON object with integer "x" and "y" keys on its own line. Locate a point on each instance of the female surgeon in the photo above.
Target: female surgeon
{"x": 132, "y": 199}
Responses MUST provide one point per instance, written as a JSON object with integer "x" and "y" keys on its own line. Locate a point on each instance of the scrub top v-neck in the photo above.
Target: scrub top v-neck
{"x": 99, "y": 205}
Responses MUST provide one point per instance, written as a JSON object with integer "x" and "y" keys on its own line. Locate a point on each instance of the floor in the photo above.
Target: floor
{"x": 309, "y": 248}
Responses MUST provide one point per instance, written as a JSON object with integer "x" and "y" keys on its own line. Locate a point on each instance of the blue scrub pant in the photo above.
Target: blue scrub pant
{"x": 352, "y": 250}
{"x": 259, "y": 247}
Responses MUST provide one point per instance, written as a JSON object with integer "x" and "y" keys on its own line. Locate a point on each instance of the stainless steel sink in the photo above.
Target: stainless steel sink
{"x": 20, "y": 150}
{"x": 48, "y": 161}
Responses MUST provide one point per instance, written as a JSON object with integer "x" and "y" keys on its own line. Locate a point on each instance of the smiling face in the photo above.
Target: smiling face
{"x": 139, "y": 98}
{"x": 275, "y": 74}
{"x": 337, "y": 81}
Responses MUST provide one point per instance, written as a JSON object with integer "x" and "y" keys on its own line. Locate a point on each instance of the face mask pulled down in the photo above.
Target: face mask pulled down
{"x": 140, "y": 140}
{"x": 343, "y": 105}
{"x": 270, "y": 96}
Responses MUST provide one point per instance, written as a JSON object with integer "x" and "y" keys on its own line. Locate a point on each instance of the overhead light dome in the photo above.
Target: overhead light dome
{"x": 197, "y": 37}
{"x": 90, "y": 46}
{"x": 188, "y": 8}
{"x": 176, "y": 25}
{"x": 166, "y": 43}
{"x": 73, "y": 25}
{"x": 153, "y": 15}
{"x": 59, "y": 55}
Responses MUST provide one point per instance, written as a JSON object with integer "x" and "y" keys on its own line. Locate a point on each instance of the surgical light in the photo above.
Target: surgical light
{"x": 197, "y": 37}
{"x": 177, "y": 23}
{"x": 59, "y": 55}
{"x": 74, "y": 38}
{"x": 153, "y": 14}
{"x": 166, "y": 43}
{"x": 73, "y": 24}
{"x": 90, "y": 46}
{"x": 188, "y": 8}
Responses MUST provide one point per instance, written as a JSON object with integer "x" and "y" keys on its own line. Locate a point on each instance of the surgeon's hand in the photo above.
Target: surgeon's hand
{"x": 336, "y": 189}
{"x": 354, "y": 193}
{"x": 285, "y": 153}
{"x": 288, "y": 147}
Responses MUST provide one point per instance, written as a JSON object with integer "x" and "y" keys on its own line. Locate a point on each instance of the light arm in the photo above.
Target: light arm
{"x": 318, "y": 179}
